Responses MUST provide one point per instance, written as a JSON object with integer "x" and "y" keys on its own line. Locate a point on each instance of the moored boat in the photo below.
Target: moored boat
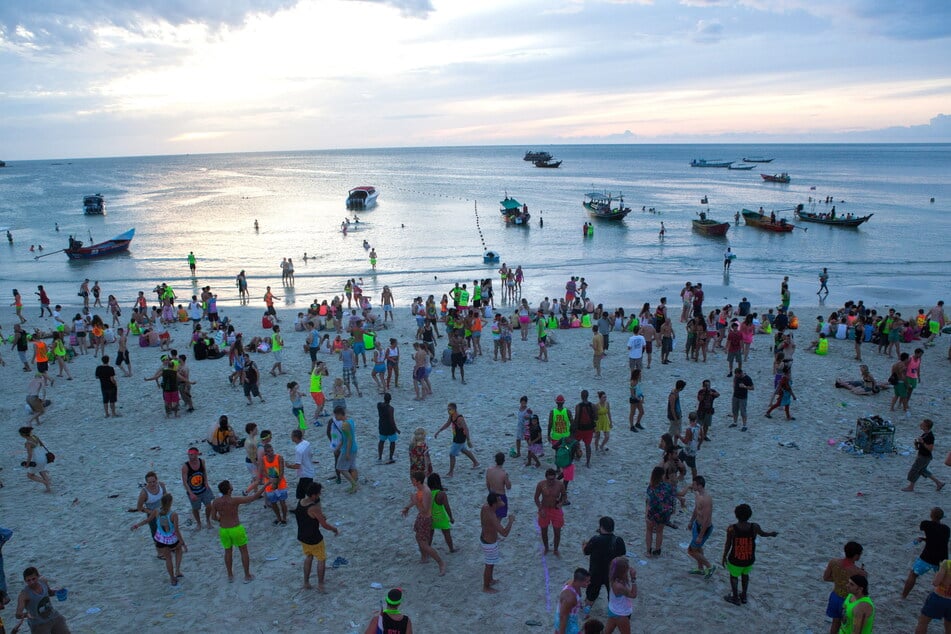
{"x": 547, "y": 163}
{"x": 832, "y": 219}
{"x": 514, "y": 212}
{"x": 94, "y": 205}
{"x": 602, "y": 205}
{"x": 363, "y": 197}
{"x": 741, "y": 166}
{"x": 536, "y": 156}
{"x": 706, "y": 163}
{"x": 768, "y": 223}
{"x": 76, "y": 250}
{"x": 709, "y": 227}
{"x": 776, "y": 178}
{"x": 757, "y": 159}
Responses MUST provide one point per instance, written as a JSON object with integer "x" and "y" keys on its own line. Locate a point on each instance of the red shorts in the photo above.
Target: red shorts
{"x": 319, "y": 398}
{"x": 171, "y": 398}
{"x": 551, "y": 517}
{"x": 584, "y": 436}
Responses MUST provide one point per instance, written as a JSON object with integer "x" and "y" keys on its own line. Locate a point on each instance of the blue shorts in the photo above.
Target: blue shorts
{"x": 834, "y": 607}
{"x": 456, "y": 448}
{"x": 391, "y": 438}
{"x": 276, "y": 496}
{"x": 698, "y": 540}
{"x": 937, "y": 607}
{"x": 359, "y": 347}
{"x": 921, "y": 567}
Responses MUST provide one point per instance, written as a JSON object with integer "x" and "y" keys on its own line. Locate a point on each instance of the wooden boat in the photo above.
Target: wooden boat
{"x": 709, "y": 227}
{"x": 94, "y": 205}
{"x": 742, "y": 167}
{"x": 514, "y": 212}
{"x": 77, "y": 251}
{"x": 363, "y": 197}
{"x": 547, "y": 163}
{"x": 762, "y": 221}
{"x": 706, "y": 163}
{"x": 536, "y": 156}
{"x": 776, "y": 178}
{"x": 828, "y": 219}
{"x": 602, "y": 206}
{"x": 757, "y": 159}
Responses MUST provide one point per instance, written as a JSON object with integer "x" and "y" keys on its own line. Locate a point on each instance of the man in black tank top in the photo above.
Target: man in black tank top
{"x": 739, "y": 551}
{"x": 310, "y": 518}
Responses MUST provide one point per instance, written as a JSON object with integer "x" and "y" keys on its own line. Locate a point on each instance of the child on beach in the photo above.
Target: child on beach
{"x": 535, "y": 447}
{"x": 739, "y": 551}
{"x": 297, "y": 404}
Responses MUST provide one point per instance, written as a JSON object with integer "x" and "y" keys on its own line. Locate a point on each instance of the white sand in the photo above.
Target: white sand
{"x": 816, "y": 496}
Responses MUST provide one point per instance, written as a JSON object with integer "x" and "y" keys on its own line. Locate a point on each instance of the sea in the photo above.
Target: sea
{"x": 438, "y": 212}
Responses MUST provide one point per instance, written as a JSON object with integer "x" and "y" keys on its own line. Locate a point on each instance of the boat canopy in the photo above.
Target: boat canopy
{"x": 510, "y": 204}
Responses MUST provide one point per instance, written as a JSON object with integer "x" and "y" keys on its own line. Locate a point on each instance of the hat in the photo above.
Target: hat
{"x": 193, "y": 450}
{"x": 559, "y": 399}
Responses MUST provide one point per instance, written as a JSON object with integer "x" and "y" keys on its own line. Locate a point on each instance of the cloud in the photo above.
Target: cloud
{"x": 908, "y": 19}
{"x": 42, "y": 24}
{"x": 408, "y": 8}
{"x": 708, "y": 32}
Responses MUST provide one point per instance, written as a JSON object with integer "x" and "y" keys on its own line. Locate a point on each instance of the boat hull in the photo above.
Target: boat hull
{"x": 775, "y": 178}
{"x": 362, "y": 198}
{"x": 762, "y": 221}
{"x": 118, "y": 244}
{"x": 838, "y": 222}
{"x": 711, "y": 227}
{"x": 614, "y": 214}
{"x": 705, "y": 163}
{"x": 547, "y": 163}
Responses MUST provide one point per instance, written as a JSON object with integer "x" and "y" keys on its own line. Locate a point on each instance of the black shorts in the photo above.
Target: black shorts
{"x": 690, "y": 461}
{"x": 302, "y": 485}
{"x": 110, "y": 394}
{"x": 122, "y": 357}
{"x": 271, "y": 311}
{"x": 42, "y": 366}
{"x": 251, "y": 388}
{"x": 458, "y": 359}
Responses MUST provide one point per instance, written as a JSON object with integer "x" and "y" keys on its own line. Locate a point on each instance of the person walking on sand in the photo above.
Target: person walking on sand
{"x": 568, "y": 614}
{"x": 858, "y": 611}
{"x": 18, "y": 306}
{"x": 36, "y": 461}
{"x": 36, "y": 398}
{"x": 739, "y": 552}
{"x": 269, "y": 298}
{"x": 224, "y": 510}
{"x": 492, "y": 528}
{"x": 603, "y": 424}
{"x": 742, "y": 384}
{"x": 310, "y": 518}
{"x": 442, "y": 512}
{"x": 347, "y": 460}
{"x": 195, "y": 481}
{"x": 705, "y": 411}
{"x": 34, "y": 605}
{"x": 108, "y": 386}
{"x": 839, "y": 571}
{"x": 44, "y": 301}
{"x": 461, "y": 438}
{"x": 936, "y": 536}
{"x": 622, "y": 589}
{"x": 701, "y": 527}
{"x": 601, "y": 550}
{"x": 938, "y": 603}
{"x": 497, "y": 481}
{"x": 784, "y": 394}
{"x": 277, "y": 351}
{"x": 303, "y": 463}
{"x": 924, "y": 444}
{"x": 549, "y": 496}
{"x": 275, "y": 484}
{"x": 823, "y": 283}
{"x": 422, "y": 499}
{"x": 597, "y": 347}
{"x": 386, "y": 427}
{"x": 168, "y": 536}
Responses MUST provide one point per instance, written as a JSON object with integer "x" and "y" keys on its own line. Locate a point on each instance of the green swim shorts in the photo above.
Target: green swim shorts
{"x": 235, "y": 536}
{"x": 738, "y": 571}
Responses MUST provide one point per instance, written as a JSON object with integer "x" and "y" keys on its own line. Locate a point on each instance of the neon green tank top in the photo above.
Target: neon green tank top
{"x": 559, "y": 424}
{"x": 276, "y": 342}
{"x": 315, "y": 382}
{"x": 440, "y": 516}
{"x": 848, "y": 608}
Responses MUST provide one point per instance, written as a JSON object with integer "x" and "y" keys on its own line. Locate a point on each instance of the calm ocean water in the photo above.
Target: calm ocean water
{"x": 427, "y": 235}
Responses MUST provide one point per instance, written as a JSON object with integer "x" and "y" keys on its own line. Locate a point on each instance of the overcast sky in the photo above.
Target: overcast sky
{"x": 110, "y": 78}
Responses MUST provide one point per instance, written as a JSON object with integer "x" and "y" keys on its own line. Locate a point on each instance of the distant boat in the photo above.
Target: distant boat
{"x": 709, "y": 227}
{"x": 828, "y": 219}
{"x": 94, "y": 205}
{"x": 706, "y": 163}
{"x": 776, "y": 178}
{"x": 762, "y": 221}
{"x": 742, "y": 167}
{"x": 514, "y": 212}
{"x": 363, "y": 197}
{"x": 537, "y": 156}
{"x": 757, "y": 159}
{"x": 77, "y": 251}
{"x": 547, "y": 163}
{"x": 490, "y": 257}
{"x": 3, "y": 164}
{"x": 601, "y": 205}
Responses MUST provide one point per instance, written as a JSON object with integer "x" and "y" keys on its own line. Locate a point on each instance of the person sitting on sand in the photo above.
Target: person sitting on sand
{"x": 223, "y": 439}
{"x": 867, "y": 386}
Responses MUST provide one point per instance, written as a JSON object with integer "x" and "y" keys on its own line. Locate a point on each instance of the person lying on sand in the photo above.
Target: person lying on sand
{"x": 865, "y": 387}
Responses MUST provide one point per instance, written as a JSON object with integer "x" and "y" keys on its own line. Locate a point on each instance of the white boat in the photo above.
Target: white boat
{"x": 363, "y": 197}
{"x": 94, "y": 205}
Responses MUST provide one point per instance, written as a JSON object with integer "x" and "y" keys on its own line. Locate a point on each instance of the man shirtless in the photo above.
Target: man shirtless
{"x": 497, "y": 481}
{"x": 549, "y": 496}
{"x": 491, "y": 529}
{"x": 701, "y": 526}
{"x": 122, "y": 356}
{"x": 224, "y": 510}
{"x": 422, "y": 499}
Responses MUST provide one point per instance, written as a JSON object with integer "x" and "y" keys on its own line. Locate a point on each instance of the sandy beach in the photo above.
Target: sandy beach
{"x": 815, "y": 495}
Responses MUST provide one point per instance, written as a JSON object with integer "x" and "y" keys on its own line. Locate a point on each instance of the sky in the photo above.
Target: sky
{"x": 83, "y": 78}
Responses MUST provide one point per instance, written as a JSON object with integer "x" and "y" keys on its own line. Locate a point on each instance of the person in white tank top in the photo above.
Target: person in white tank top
{"x": 622, "y": 589}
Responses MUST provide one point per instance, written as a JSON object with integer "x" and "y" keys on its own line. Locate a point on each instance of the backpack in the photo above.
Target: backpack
{"x": 564, "y": 455}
